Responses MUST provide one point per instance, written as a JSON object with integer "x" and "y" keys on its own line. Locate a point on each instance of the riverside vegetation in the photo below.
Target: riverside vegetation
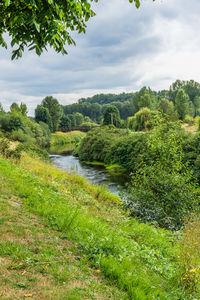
{"x": 62, "y": 238}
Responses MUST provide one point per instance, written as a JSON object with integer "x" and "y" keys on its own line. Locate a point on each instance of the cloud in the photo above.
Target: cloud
{"x": 123, "y": 50}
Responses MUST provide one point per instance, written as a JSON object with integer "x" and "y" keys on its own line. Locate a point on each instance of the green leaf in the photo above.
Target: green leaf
{"x": 7, "y": 2}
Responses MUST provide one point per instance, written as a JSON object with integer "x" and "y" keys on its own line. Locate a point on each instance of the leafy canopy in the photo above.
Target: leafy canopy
{"x": 36, "y": 24}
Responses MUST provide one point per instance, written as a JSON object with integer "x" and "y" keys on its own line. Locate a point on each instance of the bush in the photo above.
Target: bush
{"x": 163, "y": 198}
{"x": 163, "y": 191}
{"x": 128, "y": 151}
{"x": 98, "y": 142}
{"x": 12, "y": 121}
{"x": 7, "y": 151}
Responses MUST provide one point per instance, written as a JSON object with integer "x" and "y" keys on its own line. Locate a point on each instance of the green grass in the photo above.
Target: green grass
{"x": 37, "y": 262}
{"x": 140, "y": 260}
{"x": 61, "y": 138}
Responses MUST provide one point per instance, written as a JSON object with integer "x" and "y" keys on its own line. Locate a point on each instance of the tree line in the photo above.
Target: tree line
{"x": 182, "y": 99}
{"x": 137, "y": 111}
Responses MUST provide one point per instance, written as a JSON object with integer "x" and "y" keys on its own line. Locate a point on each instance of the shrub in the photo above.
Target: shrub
{"x": 7, "y": 151}
{"x": 164, "y": 191}
{"x": 161, "y": 197}
{"x": 98, "y": 142}
{"x": 128, "y": 151}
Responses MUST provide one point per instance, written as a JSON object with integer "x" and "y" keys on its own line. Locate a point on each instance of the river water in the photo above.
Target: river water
{"x": 93, "y": 174}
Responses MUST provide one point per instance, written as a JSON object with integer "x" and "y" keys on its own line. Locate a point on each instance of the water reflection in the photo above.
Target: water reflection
{"x": 93, "y": 174}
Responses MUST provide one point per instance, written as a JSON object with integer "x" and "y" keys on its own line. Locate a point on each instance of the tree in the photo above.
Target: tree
{"x": 144, "y": 119}
{"x": 1, "y": 107}
{"x": 192, "y": 89}
{"x": 55, "y": 110}
{"x": 65, "y": 122}
{"x": 72, "y": 120}
{"x": 168, "y": 110}
{"x": 145, "y": 101}
{"x": 79, "y": 118}
{"x": 111, "y": 116}
{"x": 172, "y": 114}
{"x": 182, "y": 103}
{"x": 163, "y": 106}
{"x": 196, "y": 103}
{"x": 37, "y": 24}
{"x": 14, "y": 107}
{"x": 191, "y": 109}
{"x": 23, "y": 109}
{"x": 42, "y": 115}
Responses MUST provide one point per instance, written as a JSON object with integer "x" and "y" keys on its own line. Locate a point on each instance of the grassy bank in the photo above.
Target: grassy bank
{"x": 63, "y": 138}
{"x": 37, "y": 262}
{"x": 65, "y": 142}
{"x": 142, "y": 261}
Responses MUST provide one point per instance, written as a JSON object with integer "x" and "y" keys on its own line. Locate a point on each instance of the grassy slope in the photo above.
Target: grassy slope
{"x": 40, "y": 263}
{"x": 141, "y": 260}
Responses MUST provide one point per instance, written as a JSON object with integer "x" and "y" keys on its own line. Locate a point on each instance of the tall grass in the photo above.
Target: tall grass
{"x": 190, "y": 255}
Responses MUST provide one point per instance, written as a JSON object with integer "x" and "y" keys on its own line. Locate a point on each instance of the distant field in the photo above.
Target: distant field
{"x": 70, "y": 133}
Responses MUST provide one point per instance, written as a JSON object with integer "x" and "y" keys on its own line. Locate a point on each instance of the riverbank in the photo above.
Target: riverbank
{"x": 142, "y": 261}
{"x": 65, "y": 143}
{"x": 38, "y": 262}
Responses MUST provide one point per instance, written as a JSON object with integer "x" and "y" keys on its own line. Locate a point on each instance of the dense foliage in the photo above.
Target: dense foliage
{"x": 163, "y": 188}
{"x": 183, "y": 98}
{"x": 18, "y": 127}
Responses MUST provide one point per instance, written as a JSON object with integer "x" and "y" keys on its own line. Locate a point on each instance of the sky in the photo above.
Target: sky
{"x": 124, "y": 49}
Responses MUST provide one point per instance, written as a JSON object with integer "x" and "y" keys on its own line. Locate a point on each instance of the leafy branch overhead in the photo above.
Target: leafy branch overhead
{"x": 36, "y": 24}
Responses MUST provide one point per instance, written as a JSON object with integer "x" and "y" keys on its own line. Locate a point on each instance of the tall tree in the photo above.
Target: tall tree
{"x": 111, "y": 116}
{"x": 65, "y": 122}
{"x": 197, "y": 105}
{"x": 72, "y": 120}
{"x": 38, "y": 24}
{"x": 182, "y": 103}
{"x": 79, "y": 118}
{"x": 55, "y": 110}
{"x": 163, "y": 106}
{"x": 145, "y": 101}
{"x": 42, "y": 115}
{"x": 192, "y": 89}
{"x": 23, "y": 109}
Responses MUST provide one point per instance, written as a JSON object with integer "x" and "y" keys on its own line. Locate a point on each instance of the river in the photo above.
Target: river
{"x": 93, "y": 174}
